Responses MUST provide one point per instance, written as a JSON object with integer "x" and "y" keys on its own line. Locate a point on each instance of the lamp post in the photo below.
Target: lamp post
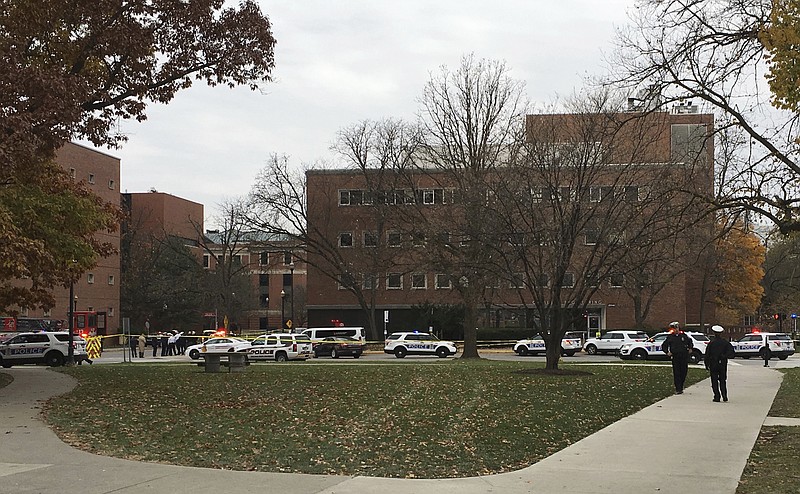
{"x": 266, "y": 303}
{"x": 283, "y": 305}
{"x": 71, "y": 325}
{"x": 291, "y": 284}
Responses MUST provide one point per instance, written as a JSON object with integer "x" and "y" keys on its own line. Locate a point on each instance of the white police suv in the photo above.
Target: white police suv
{"x": 535, "y": 345}
{"x": 414, "y": 343}
{"x": 754, "y": 345}
{"x": 281, "y": 347}
{"x": 612, "y": 341}
{"x": 651, "y": 348}
{"x": 40, "y": 348}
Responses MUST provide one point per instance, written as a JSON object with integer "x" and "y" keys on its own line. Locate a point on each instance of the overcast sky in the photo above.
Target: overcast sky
{"x": 340, "y": 62}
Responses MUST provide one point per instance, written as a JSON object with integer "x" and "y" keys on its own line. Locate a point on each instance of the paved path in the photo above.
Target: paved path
{"x": 663, "y": 448}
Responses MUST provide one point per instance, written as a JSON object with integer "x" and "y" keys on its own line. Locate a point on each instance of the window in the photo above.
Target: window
{"x": 263, "y": 258}
{"x": 206, "y": 261}
{"x": 516, "y": 239}
{"x": 345, "y": 281}
{"x": 591, "y": 237}
{"x": 443, "y": 282}
{"x": 592, "y": 280}
{"x": 264, "y": 301}
{"x": 111, "y": 279}
{"x": 110, "y": 312}
{"x": 350, "y": 197}
{"x": 263, "y": 280}
{"x": 443, "y": 238}
{"x": 73, "y": 173}
{"x": 90, "y": 278}
{"x": 419, "y": 281}
{"x": 262, "y": 323}
{"x": 542, "y": 280}
{"x": 595, "y": 194}
{"x": 419, "y": 239}
{"x": 517, "y": 280}
{"x": 394, "y": 239}
{"x": 47, "y": 313}
{"x": 370, "y": 282}
{"x": 287, "y": 257}
{"x": 688, "y": 142}
{"x": 617, "y": 280}
{"x": 536, "y": 195}
{"x": 427, "y": 196}
{"x": 345, "y": 239}
{"x": 632, "y": 193}
{"x": 91, "y": 178}
{"x": 370, "y": 239}
{"x": 565, "y": 193}
{"x": 111, "y": 184}
{"x": 394, "y": 281}
{"x": 287, "y": 279}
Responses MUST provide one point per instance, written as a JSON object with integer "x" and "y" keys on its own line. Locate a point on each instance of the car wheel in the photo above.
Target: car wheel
{"x": 5, "y": 365}
{"x": 695, "y": 357}
{"x": 54, "y": 359}
{"x": 400, "y": 352}
{"x": 442, "y": 352}
{"x": 783, "y": 357}
{"x": 639, "y": 354}
{"x": 356, "y": 355}
{"x": 280, "y": 357}
{"x": 591, "y": 350}
{"x": 522, "y": 350}
{"x": 334, "y": 353}
{"x": 570, "y": 353}
{"x": 194, "y": 354}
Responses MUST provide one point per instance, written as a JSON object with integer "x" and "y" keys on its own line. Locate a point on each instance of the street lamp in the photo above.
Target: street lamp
{"x": 283, "y": 305}
{"x": 266, "y": 302}
{"x": 291, "y": 283}
{"x": 71, "y": 325}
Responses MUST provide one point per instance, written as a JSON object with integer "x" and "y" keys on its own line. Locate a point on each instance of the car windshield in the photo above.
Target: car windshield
{"x": 700, "y": 337}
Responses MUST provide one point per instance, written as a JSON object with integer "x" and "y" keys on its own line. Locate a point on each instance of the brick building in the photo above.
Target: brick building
{"x": 98, "y": 289}
{"x": 369, "y": 239}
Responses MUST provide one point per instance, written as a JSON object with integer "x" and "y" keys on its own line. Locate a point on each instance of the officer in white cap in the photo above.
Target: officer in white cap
{"x": 716, "y": 359}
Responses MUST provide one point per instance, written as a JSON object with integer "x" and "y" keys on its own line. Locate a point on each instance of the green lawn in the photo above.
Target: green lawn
{"x": 444, "y": 419}
{"x": 772, "y": 466}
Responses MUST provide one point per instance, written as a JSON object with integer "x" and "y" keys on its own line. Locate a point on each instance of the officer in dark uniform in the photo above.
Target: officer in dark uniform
{"x": 717, "y": 354}
{"x": 677, "y": 346}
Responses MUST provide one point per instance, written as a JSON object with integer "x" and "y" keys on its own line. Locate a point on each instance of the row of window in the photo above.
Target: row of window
{"x": 419, "y": 281}
{"x": 361, "y": 197}
{"x": 49, "y": 312}
{"x": 90, "y": 278}
{"x": 90, "y": 179}
{"x": 395, "y": 238}
{"x": 263, "y": 258}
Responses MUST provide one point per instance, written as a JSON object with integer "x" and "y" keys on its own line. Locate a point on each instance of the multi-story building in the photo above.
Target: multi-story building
{"x": 375, "y": 245}
{"x": 98, "y": 289}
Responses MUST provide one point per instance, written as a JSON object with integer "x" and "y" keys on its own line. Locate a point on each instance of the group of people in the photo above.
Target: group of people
{"x": 678, "y": 345}
{"x": 170, "y": 342}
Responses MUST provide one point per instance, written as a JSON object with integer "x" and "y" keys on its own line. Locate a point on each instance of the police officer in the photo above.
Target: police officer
{"x": 717, "y": 354}
{"x": 677, "y": 346}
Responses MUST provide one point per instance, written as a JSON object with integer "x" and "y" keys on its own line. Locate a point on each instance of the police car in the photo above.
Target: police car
{"x": 281, "y": 347}
{"x": 754, "y": 345}
{"x": 229, "y": 344}
{"x": 651, "y": 348}
{"x": 535, "y": 345}
{"x": 414, "y": 343}
{"x": 40, "y": 348}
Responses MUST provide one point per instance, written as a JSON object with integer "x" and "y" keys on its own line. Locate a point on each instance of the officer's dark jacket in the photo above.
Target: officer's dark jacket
{"x": 718, "y": 352}
{"x": 677, "y": 343}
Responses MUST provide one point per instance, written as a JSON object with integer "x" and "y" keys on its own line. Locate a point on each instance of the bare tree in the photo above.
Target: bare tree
{"x": 710, "y": 52}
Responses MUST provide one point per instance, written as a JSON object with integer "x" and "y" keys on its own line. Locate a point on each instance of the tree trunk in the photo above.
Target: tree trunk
{"x": 470, "y": 332}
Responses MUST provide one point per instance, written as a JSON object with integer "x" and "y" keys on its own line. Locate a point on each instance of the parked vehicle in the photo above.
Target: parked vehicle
{"x": 651, "y": 348}
{"x": 535, "y": 346}
{"x": 229, "y": 344}
{"x": 337, "y": 346}
{"x": 281, "y": 347}
{"x": 414, "y": 343}
{"x": 40, "y": 348}
{"x": 612, "y": 341}
{"x": 318, "y": 334}
{"x": 755, "y": 344}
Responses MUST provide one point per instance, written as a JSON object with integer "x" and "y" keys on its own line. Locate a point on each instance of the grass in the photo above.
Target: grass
{"x": 772, "y": 466}
{"x": 449, "y": 419}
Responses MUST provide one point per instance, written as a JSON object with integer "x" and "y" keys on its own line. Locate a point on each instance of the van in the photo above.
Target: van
{"x": 319, "y": 334}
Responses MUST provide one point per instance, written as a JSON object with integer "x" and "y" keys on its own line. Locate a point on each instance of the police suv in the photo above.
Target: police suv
{"x": 755, "y": 344}
{"x": 612, "y": 341}
{"x": 651, "y": 348}
{"x": 40, "y": 348}
{"x": 413, "y": 343}
{"x": 280, "y": 347}
{"x": 535, "y": 345}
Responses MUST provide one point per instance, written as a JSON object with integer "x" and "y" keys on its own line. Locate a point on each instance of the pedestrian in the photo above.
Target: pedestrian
{"x": 132, "y": 345}
{"x": 142, "y": 342}
{"x": 164, "y": 344}
{"x": 171, "y": 344}
{"x": 718, "y": 351}
{"x": 766, "y": 353}
{"x": 677, "y": 347}
{"x": 154, "y": 343}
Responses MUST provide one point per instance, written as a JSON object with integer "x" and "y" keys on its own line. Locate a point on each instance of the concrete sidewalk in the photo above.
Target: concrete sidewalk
{"x": 663, "y": 448}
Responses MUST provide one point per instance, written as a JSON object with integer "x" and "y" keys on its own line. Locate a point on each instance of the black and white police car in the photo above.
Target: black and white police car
{"x": 51, "y": 348}
{"x": 651, "y": 348}
{"x": 535, "y": 346}
{"x": 754, "y": 345}
{"x": 414, "y": 343}
{"x": 612, "y": 341}
{"x": 281, "y": 347}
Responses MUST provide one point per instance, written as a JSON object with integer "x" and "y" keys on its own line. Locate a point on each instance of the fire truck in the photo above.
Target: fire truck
{"x": 84, "y": 324}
